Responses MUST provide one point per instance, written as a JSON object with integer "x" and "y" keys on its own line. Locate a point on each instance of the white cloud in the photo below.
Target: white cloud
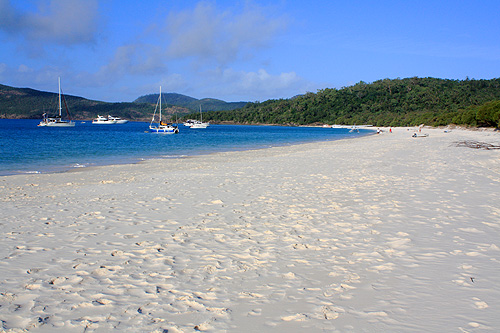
{"x": 169, "y": 83}
{"x": 253, "y": 85}
{"x": 130, "y": 61}
{"x": 25, "y": 76}
{"x": 206, "y": 34}
{"x": 65, "y": 22}
{"x": 136, "y": 59}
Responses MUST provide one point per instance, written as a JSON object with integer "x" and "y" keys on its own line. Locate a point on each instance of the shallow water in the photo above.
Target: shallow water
{"x": 26, "y": 148}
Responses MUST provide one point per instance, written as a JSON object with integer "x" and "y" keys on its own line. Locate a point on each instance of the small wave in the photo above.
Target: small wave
{"x": 174, "y": 156}
{"x": 77, "y": 165}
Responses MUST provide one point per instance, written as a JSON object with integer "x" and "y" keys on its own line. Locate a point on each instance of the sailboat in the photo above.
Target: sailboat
{"x": 161, "y": 127}
{"x": 200, "y": 124}
{"x": 56, "y": 121}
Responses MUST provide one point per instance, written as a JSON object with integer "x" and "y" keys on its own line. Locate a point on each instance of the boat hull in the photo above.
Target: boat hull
{"x": 202, "y": 125}
{"x": 104, "y": 122}
{"x": 117, "y": 120}
{"x": 57, "y": 124}
{"x": 169, "y": 130}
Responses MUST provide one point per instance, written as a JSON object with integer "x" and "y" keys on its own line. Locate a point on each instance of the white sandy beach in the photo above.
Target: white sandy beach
{"x": 386, "y": 233}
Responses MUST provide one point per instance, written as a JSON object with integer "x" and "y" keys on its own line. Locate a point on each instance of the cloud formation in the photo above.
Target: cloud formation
{"x": 65, "y": 22}
{"x": 257, "y": 85}
{"x": 203, "y": 50}
{"x": 206, "y": 34}
{"x": 135, "y": 59}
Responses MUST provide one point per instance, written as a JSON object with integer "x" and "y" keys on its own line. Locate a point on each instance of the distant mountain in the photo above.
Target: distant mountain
{"x": 207, "y": 104}
{"x": 170, "y": 98}
{"x": 26, "y": 103}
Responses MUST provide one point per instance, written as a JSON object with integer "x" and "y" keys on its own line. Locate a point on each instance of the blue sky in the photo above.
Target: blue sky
{"x": 118, "y": 50}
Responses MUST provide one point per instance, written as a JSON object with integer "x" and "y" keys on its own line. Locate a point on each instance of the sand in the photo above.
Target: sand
{"x": 385, "y": 233}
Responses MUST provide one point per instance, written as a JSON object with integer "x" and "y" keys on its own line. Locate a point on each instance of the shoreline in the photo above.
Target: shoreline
{"x": 180, "y": 150}
{"x": 382, "y": 233}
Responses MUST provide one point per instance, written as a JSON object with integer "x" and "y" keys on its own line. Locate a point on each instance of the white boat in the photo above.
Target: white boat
{"x": 200, "y": 124}
{"x": 354, "y": 129}
{"x": 160, "y": 126}
{"x": 189, "y": 122}
{"x": 100, "y": 120}
{"x": 56, "y": 121}
{"x": 118, "y": 119}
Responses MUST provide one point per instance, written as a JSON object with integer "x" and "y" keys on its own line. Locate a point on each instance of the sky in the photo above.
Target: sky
{"x": 119, "y": 50}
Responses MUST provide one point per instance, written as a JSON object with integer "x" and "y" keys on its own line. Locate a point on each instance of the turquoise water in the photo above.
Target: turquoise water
{"x": 26, "y": 148}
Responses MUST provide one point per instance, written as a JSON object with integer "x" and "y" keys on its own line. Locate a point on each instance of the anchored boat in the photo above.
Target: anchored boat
{"x": 57, "y": 121}
{"x": 160, "y": 126}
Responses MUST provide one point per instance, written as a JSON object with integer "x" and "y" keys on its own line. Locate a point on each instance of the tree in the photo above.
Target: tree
{"x": 488, "y": 114}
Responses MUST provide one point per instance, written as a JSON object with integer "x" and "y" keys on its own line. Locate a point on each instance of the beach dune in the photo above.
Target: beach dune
{"x": 384, "y": 233}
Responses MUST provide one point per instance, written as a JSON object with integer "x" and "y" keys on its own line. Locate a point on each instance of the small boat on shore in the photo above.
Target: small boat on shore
{"x": 100, "y": 120}
{"x": 57, "y": 121}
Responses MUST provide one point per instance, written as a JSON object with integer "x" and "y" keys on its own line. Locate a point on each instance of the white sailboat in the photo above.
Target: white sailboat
{"x": 57, "y": 121}
{"x": 200, "y": 124}
{"x": 161, "y": 127}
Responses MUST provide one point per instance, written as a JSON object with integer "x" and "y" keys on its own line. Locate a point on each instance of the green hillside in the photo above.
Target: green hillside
{"x": 207, "y": 104}
{"x": 398, "y": 102}
{"x": 169, "y": 98}
{"x": 28, "y": 103}
{"x": 31, "y": 104}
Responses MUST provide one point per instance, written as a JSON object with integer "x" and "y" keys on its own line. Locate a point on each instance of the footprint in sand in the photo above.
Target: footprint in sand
{"x": 255, "y": 312}
{"x": 295, "y": 317}
{"x": 480, "y": 304}
{"x": 329, "y": 312}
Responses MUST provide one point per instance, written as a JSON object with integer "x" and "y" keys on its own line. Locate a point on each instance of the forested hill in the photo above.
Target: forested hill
{"x": 30, "y": 103}
{"x": 207, "y": 104}
{"x": 398, "y": 102}
{"x": 26, "y": 103}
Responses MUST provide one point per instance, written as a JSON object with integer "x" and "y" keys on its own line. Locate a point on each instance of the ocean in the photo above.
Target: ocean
{"x": 26, "y": 148}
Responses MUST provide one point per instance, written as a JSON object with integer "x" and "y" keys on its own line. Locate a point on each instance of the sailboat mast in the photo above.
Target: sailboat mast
{"x": 201, "y": 115}
{"x": 160, "y": 105}
{"x": 60, "y": 107}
